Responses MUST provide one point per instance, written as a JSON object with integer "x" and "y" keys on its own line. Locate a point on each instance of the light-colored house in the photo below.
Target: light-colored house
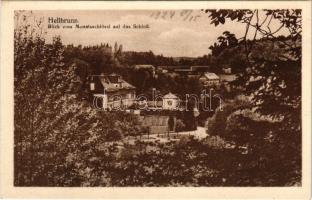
{"x": 210, "y": 79}
{"x": 170, "y": 102}
{"x": 111, "y": 91}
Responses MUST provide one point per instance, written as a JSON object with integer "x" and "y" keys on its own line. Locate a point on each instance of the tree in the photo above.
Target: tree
{"x": 34, "y": 62}
{"x": 180, "y": 126}
{"x": 60, "y": 140}
{"x": 271, "y": 78}
{"x": 228, "y": 40}
{"x": 266, "y": 76}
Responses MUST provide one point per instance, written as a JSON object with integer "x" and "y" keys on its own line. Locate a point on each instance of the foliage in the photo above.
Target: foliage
{"x": 270, "y": 74}
{"x": 98, "y": 58}
{"x": 57, "y": 134}
{"x": 218, "y": 122}
{"x": 131, "y": 58}
{"x": 180, "y": 126}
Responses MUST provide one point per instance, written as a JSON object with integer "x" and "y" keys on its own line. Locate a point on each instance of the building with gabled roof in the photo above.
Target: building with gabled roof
{"x": 210, "y": 79}
{"x": 111, "y": 91}
{"x": 170, "y": 101}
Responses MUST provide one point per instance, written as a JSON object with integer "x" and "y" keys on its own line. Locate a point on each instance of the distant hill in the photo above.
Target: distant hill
{"x": 177, "y": 59}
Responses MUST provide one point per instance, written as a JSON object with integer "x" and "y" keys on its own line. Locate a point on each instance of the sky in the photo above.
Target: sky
{"x": 177, "y": 33}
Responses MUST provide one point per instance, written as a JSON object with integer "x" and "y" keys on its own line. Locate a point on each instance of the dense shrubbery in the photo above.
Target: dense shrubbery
{"x": 269, "y": 73}
{"x": 56, "y": 133}
{"x": 261, "y": 142}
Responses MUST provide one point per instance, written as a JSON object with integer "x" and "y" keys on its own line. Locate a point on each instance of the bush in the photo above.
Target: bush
{"x": 113, "y": 135}
{"x": 180, "y": 126}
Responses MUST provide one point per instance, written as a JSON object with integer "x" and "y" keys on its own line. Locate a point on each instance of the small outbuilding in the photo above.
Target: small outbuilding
{"x": 170, "y": 101}
{"x": 210, "y": 79}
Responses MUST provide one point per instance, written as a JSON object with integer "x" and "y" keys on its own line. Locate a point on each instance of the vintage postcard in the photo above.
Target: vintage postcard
{"x": 156, "y": 99}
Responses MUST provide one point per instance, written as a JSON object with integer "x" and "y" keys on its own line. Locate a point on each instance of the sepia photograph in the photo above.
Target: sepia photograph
{"x": 155, "y": 100}
{"x": 157, "y": 97}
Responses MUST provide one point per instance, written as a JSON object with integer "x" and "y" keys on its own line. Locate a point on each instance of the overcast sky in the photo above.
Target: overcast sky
{"x": 178, "y": 35}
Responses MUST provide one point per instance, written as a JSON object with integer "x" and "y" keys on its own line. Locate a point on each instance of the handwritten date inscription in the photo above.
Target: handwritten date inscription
{"x": 185, "y": 15}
